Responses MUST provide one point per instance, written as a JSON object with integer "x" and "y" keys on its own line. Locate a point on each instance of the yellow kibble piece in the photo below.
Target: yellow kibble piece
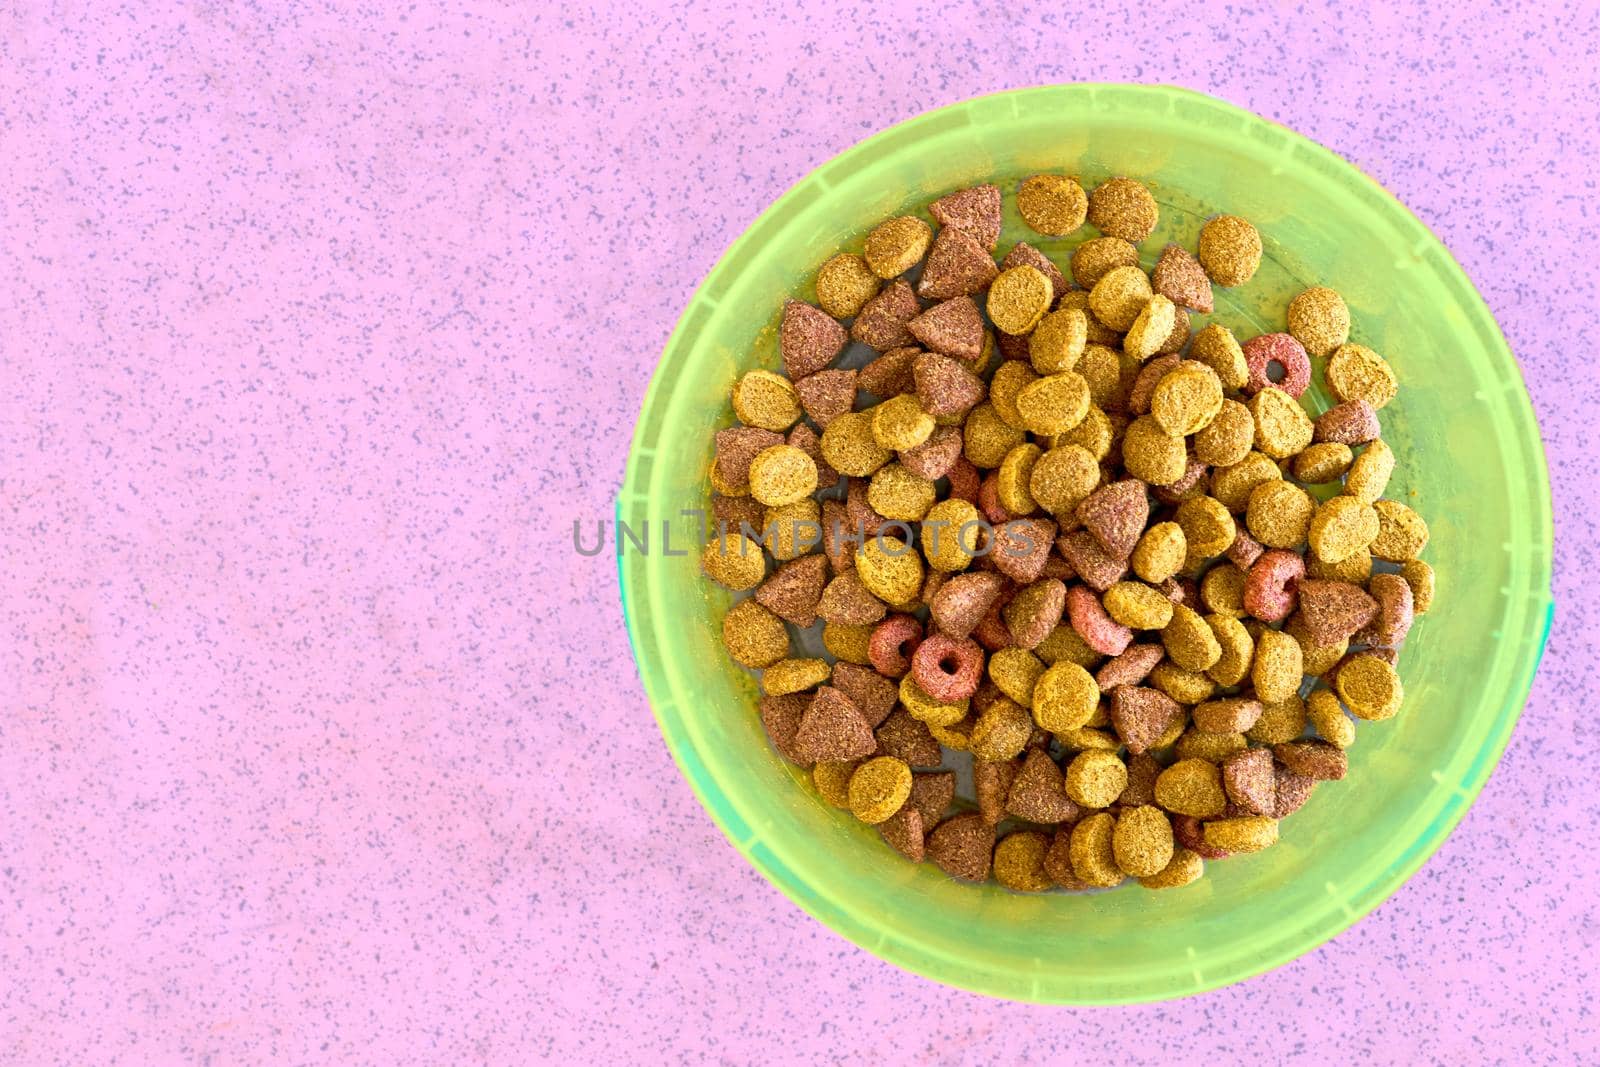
{"x": 1056, "y": 344}
{"x": 1238, "y": 650}
{"x": 832, "y": 780}
{"x": 782, "y": 475}
{"x": 1319, "y": 319}
{"x": 896, "y": 493}
{"x": 1122, "y": 207}
{"x": 930, "y": 711}
{"x": 1341, "y": 526}
{"x": 1213, "y": 748}
{"x": 1356, "y": 372}
{"x": 794, "y": 676}
{"x": 1222, "y": 590}
{"x": 1018, "y": 299}
{"x": 1016, "y": 473}
{"x": 1095, "y": 257}
{"x": 1019, "y": 862}
{"x": 1142, "y": 841}
{"x": 1016, "y": 671}
{"x": 1187, "y": 398}
{"x": 1096, "y": 778}
{"x": 986, "y": 438}
{"x": 1219, "y": 349}
{"x": 850, "y": 446}
{"x": 1052, "y": 204}
{"x": 899, "y": 423}
{"x": 1228, "y": 437}
{"x": 1279, "y": 514}
{"x": 1066, "y": 645}
{"x": 1160, "y": 552}
{"x": 1419, "y": 576}
{"x": 1101, "y": 367}
{"x": 1151, "y": 454}
{"x": 1231, "y": 486}
{"x": 1278, "y": 667}
{"x": 1252, "y": 833}
{"x": 1137, "y": 605}
{"x": 1065, "y": 698}
{"x": 754, "y": 636}
{"x": 1369, "y": 687}
{"x": 792, "y": 530}
{"x": 1086, "y": 739}
{"x": 1318, "y": 659}
{"x": 1207, "y": 526}
{"x": 1283, "y": 428}
{"x": 889, "y": 568}
{"x": 1402, "y": 533}
{"x": 1185, "y": 868}
{"x": 1355, "y": 568}
{"x": 1150, "y": 328}
{"x": 1061, "y": 478}
{"x": 1322, "y": 463}
{"x": 1002, "y": 730}
{"x": 1370, "y": 472}
{"x": 957, "y": 736}
{"x": 1010, "y": 378}
{"x": 950, "y": 533}
{"x": 879, "y": 788}
{"x": 1192, "y": 787}
{"x": 848, "y": 642}
{"x": 1230, "y": 250}
{"x": 1119, "y": 296}
{"x": 1281, "y": 721}
{"x": 1189, "y": 641}
{"x": 762, "y": 398}
{"x": 1184, "y": 686}
{"x": 896, "y": 245}
{"x": 1053, "y": 404}
{"x": 1090, "y": 851}
{"x": 735, "y": 561}
{"x": 844, "y": 284}
{"x": 1329, "y": 719}
{"x": 1094, "y": 434}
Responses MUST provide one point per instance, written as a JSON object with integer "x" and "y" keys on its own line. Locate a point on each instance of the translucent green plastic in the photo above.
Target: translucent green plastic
{"x": 1470, "y": 462}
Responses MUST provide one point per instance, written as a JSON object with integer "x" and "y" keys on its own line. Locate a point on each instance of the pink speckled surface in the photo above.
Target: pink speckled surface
{"x": 318, "y": 328}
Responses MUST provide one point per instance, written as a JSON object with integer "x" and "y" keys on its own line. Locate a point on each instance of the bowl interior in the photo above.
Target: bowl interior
{"x": 1470, "y": 462}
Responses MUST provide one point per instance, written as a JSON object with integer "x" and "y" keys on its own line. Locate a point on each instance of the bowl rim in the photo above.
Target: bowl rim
{"x": 1300, "y": 939}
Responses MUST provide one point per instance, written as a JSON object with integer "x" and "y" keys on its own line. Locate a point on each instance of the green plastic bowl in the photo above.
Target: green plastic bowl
{"x": 1470, "y": 461}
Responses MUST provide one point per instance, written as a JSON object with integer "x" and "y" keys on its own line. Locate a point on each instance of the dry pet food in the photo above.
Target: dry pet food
{"x": 1057, "y": 514}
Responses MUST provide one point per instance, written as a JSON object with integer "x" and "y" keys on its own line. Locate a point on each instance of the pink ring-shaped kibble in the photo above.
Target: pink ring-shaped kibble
{"x": 892, "y": 644}
{"x": 1270, "y": 592}
{"x": 1099, "y": 631}
{"x": 947, "y": 668}
{"x": 1269, "y": 348}
{"x": 964, "y": 480}
{"x": 1396, "y": 611}
{"x": 989, "y": 501}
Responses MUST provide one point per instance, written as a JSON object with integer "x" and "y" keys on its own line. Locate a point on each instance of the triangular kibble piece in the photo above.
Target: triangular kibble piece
{"x": 1116, "y": 515}
{"x": 827, "y": 394}
{"x": 1141, "y": 715}
{"x": 908, "y": 739}
{"x": 954, "y": 327}
{"x": 945, "y": 386}
{"x": 780, "y": 716}
{"x": 847, "y": 601}
{"x": 974, "y": 211}
{"x": 957, "y": 266}
{"x": 737, "y": 446}
{"x": 903, "y": 832}
{"x": 890, "y": 374}
{"x": 933, "y": 458}
{"x": 1180, "y": 278}
{"x": 963, "y": 601}
{"x": 1021, "y": 547}
{"x": 1333, "y": 611}
{"x": 882, "y": 321}
{"x": 872, "y": 693}
{"x": 809, "y": 339}
{"x": 793, "y": 591}
{"x": 963, "y": 846}
{"x": 1089, "y": 559}
{"x": 931, "y": 794}
{"x": 1037, "y": 793}
{"x": 833, "y": 729}
{"x": 1250, "y": 781}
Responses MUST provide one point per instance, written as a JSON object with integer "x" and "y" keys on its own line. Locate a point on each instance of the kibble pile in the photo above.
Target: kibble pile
{"x": 1064, "y": 527}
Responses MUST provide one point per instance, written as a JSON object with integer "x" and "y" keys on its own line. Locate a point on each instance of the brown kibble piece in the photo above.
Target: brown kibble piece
{"x": 808, "y": 338}
{"x": 780, "y": 717}
{"x": 1035, "y": 611}
{"x": 1231, "y": 715}
{"x": 958, "y": 265}
{"x": 1317, "y": 760}
{"x": 945, "y": 386}
{"x": 1142, "y": 715}
{"x": 1250, "y": 781}
{"x": 881, "y": 323}
{"x": 873, "y": 694}
{"x": 1021, "y": 547}
{"x": 1116, "y": 516}
{"x": 963, "y": 601}
{"x": 1333, "y": 611}
{"x": 833, "y": 729}
{"x": 953, "y": 327}
{"x": 903, "y": 833}
{"x": 794, "y": 590}
{"x": 1179, "y": 277}
{"x": 962, "y": 846}
{"x": 1353, "y": 422}
{"x": 1037, "y": 794}
{"x": 975, "y": 211}
{"x": 931, "y": 794}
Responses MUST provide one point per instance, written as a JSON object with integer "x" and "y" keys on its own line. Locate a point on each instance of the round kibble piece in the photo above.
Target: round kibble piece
{"x": 1019, "y": 862}
{"x": 735, "y": 561}
{"x": 879, "y": 788}
{"x": 1123, "y": 208}
{"x": 1402, "y": 533}
{"x": 1151, "y": 454}
{"x": 794, "y": 676}
{"x": 1222, "y": 590}
{"x": 754, "y": 636}
{"x": 1369, "y": 687}
{"x": 1189, "y": 641}
{"x": 1053, "y": 404}
{"x": 986, "y": 437}
{"x": 1095, "y": 257}
{"x": 898, "y": 244}
{"x": 1094, "y": 859}
{"x": 1002, "y": 730}
{"x": 1356, "y": 372}
{"x": 950, "y": 533}
{"x": 1238, "y": 650}
{"x": 1010, "y": 378}
{"x": 1096, "y": 778}
{"x": 1208, "y": 527}
{"x": 1016, "y": 672}
{"x": 1142, "y": 841}
{"x": 832, "y": 779}
{"x": 1056, "y": 344}
{"x": 1138, "y": 606}
{"x": 896, "y": 493}
{"x": 1065, "y": 698}
{"x": 1323, "y": 463}
{"x": 1419, "y": 576}
{"x": 1279, "y": 514}
{"x": 850, "y": 447}
{"x": 1016, "y": 473}
{"x": 1018, "y": 299}
{"x": 1283, "y": 428}
{"x": 1185, "y": 868}
{"x": 1052, "y": 204}
{"x": 1252, "y": 833}
{"x": 1329, "y": 719}
{"x": 1187, "y": 399}
{"x": 847, "y": 642}
{"x": 1320, "y": 320}
{"x": 1160, "y": 552}
{"x": 1062, "y": 477}
{"x": 844, "y": 284}
{"x": 1217, "y": 348}
{"x": 899, "y": 423}
{"x": 1230, "y": 250}
{"x": 1232, "y": 485}
{"x": 1228, "y": 438}
{"x": 1342, "y": 526}
{"x": 782, "y": 475}
{"x": 890, "y": 569}
{"x": 1151, "y": 328}
{"x": 1119, "y": 296}
{"x": 762, "y": 398}
{"x": 1192, "y": 787}
{"x": 1278, "y": 666}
